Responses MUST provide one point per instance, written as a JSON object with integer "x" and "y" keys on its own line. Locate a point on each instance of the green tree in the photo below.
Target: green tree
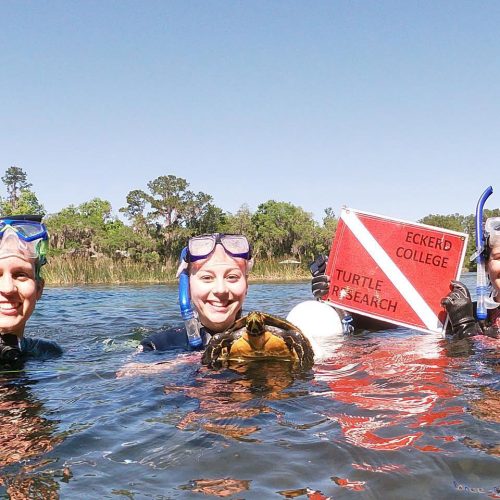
{"x": 464, "y": 224}
{"x": 240, "y": 223}
{"x": 19, "y": 200}
{"x": 26, "y": 204}
{"x": 326, "y": 232}
{"x": 16, "y": 180}
{"x": 171, "y": 212}
{"x": 134, "y": 211}
{"x": 453, "y": 222}
{"x": 210, "y": 220}
{"x": 283, "y": 230}
{"x": 90, "y": 229}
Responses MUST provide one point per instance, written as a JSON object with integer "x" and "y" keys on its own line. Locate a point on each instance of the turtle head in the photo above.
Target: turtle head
{"x": 256, "y": 324}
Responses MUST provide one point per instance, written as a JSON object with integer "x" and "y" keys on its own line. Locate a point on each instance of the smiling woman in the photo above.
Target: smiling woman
{"x": 462, "y": 311}
{"x": 19, "y": 292}
{"x": 216, "y": 269}
{"x": 23, "y": 247}
{"x": 213, "y": 285}
{"x": 218, "y": 289}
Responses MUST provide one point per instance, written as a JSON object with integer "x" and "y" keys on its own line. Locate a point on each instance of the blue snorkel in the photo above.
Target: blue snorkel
{"x": 190, "y": 320}
{"x": 482, "y": 281}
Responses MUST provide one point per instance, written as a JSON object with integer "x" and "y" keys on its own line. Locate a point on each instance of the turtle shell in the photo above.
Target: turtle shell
{"x": 259, "y": 336}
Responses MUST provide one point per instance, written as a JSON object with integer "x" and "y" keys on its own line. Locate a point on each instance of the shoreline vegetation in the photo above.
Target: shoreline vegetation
{"x": 88, "y": 243}
{"x": 62, "y": 270}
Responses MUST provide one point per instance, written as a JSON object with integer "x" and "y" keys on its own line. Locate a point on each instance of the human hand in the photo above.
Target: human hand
{"x": 458, "y": 305}
{"x": 320, "y": 283}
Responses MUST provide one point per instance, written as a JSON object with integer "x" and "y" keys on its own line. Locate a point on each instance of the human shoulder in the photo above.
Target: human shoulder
{"x": 165, "y": 340}
{"x": 40, "y": 348}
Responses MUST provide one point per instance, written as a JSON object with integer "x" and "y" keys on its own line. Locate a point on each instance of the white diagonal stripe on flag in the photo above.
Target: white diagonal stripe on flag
{"x": 392, "y": 271}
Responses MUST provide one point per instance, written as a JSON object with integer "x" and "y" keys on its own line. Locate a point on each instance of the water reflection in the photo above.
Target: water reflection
{"x": 229, "y": 398}
{"x": 25, "y": 437}
{"x": 217, "y": 487}
{"x": 394, "y": 389}
{"x": 396, "y": 412}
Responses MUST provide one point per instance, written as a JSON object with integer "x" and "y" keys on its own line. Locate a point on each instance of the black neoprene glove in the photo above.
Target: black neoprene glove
{"x": 10, "y": 355}
{"x": 320, "y": 283}
{"x": 458, "y": 304}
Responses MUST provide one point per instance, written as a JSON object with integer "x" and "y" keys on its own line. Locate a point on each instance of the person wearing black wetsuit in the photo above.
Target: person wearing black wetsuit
{"x": 23, "y": 248}
{"x": 458, "y": 303}
{"x": 216, "y": 268}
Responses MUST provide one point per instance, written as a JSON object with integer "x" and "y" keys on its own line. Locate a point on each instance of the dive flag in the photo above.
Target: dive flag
{"x": 394, "y": 270}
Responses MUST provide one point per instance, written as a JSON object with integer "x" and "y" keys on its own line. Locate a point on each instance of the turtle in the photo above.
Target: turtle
{"x": 259, "y": 335}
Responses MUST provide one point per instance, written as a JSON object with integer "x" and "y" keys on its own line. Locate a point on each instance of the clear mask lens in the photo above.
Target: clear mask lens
{"x": 492, "y": 231}
{"x": 201, "y": 246}
{"x": 235, "y": 244}
{"x": 26, "y": 230}
{"x": 12, "y": 244}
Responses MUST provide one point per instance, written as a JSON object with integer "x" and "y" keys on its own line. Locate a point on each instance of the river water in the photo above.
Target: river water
{"x": 391, "y": 415}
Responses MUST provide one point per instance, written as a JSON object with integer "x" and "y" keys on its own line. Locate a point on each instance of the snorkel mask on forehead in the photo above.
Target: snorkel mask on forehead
{"x": 235, "y": 245}
{"x": 24, "y": 236}
{"x": 201, "y": 247}
{"x": 198, "y": 248}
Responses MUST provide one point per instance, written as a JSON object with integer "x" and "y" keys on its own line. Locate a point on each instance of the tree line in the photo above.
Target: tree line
{"x": 162, "y": 217}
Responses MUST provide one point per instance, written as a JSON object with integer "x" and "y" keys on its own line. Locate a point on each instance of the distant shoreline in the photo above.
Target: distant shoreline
{"x": 81, "y": 271}
{"x": 63, "y": 270}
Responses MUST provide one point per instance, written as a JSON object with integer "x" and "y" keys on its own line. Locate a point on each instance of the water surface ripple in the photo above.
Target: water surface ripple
{"x": 391, "y": 415}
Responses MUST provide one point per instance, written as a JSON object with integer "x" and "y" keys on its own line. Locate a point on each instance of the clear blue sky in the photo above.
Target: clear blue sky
{"x": 391, "y": 107}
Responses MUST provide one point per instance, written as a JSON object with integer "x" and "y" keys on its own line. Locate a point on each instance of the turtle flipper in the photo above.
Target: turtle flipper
{"x": 299, "y": 343}
{"x": 214, "y": 349}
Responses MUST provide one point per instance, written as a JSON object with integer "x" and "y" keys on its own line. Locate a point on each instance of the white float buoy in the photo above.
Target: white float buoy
{"x": 321, "y": 324}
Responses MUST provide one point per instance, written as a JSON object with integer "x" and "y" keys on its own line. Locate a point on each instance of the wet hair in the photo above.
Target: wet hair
{"x": 38, "y": 268}
{"x": 488, "y": 247}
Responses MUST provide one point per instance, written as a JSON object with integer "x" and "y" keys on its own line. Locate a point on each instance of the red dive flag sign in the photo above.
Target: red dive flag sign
{"x": 394, "y": 270}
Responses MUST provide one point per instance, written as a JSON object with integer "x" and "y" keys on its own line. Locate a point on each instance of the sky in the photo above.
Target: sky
{"x": 390, "y": 107}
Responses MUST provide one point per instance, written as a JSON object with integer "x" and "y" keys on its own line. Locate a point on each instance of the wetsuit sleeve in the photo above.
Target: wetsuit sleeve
{"x": 40, "y": 348}
{"x": 166, "y": 340}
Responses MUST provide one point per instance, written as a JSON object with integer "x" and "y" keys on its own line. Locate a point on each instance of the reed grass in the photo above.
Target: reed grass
{"x": 272, "y": 270}
{"x": 78, "y": 270}
{"x": 64, "y": 270}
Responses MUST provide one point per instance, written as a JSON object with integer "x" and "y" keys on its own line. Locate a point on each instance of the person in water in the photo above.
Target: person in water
{"x": 458, "y": 303}
{"x": 23, "y": 249}
{"x": 213, "y": 285}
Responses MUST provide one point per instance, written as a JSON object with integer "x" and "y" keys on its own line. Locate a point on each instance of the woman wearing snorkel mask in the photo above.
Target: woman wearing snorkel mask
{"x": 213, "y": 284}
{"x": 23, "y": 248}
{"x": 461, "y": 310}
